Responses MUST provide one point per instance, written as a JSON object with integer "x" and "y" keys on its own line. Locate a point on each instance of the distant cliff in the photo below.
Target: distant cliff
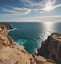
{"x": 51, "y": 48}
{"x": 5, "y": 25}
{"x": 10, "y": 53}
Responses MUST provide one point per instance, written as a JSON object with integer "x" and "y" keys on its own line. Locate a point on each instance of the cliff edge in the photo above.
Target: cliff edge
{"x": 10, "y": 53}
{"x": 51, "y": 48}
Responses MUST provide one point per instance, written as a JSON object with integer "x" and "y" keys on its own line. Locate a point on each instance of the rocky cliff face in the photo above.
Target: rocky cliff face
{"x": 10, "y": 53}
{"x": 51, "y": 48}
{"x": 5, "y": 25}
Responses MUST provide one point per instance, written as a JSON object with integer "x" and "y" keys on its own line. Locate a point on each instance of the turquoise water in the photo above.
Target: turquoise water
{"x": 29, "y": 34}
{"x": 29, "y": 44}
{"x": 26, "y": 34}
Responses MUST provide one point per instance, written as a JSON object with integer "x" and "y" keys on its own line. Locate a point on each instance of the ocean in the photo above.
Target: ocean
{"x": 31, "y": 34}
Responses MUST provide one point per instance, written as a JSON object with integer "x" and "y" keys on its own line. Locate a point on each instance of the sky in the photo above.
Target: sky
{"x": 30, "y": 10}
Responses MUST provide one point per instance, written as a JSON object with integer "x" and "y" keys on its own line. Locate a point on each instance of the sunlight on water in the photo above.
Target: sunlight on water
{"x": 48, "y": 26}
{"x": 32, "y": 37}
{"x": 48, "y": 29}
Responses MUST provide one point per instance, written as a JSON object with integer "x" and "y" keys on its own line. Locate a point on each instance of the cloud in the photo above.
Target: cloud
{"x": 14, "y": 12}
{"x": 23, "y": 10}
{"x": 56, "y": 6}
{"x": 32, "y": 4}
{"x": 42, "y": 10}
{"x": 32, "y": 19}
{"x": 41, "y": 6}
{"x": 49, "y": 18}
{"x": 37, "y": 5}
{"x": 17, "y": 11}
{"x": 10, "y": 11}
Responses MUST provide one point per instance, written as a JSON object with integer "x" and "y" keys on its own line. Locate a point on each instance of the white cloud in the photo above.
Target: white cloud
{"x": 31, "y": 4}
{"x": 56, "y": 6}
{"x": 10, "y": 11}
{"x": 37, "y": 5}
{"x": 33, "y": 19}
{"x": 49, "y": 18}
{"x": 23, "y": 10}
{"x": 19, "y": 11}
{"x": 42, "y": 6}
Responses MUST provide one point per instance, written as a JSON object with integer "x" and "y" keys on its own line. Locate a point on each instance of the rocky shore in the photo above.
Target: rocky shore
{"x": 11, "y": 53}
{"x": 51, "y": 48}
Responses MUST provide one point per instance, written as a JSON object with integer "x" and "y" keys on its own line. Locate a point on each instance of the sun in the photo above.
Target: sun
{"x": 48, "y": 6}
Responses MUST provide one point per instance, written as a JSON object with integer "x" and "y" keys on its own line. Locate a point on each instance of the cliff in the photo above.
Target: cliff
{"x": 10, "y": 53}
{"x": 51, "y": 48}
{"x": 5, "y": 25}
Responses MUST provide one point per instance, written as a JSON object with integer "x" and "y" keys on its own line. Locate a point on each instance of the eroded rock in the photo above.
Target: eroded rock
{"x": 51, "y": 48}
{"x": 10, "y": 53}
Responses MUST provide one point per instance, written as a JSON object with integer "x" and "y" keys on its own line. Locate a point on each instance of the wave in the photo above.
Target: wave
{"x": 12, "y": 29}
{"x": 43, "y": 36}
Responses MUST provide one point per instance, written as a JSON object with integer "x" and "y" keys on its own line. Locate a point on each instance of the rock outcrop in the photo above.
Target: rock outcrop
{"x": 11, "y": 53}
{"x": 51, "y": 48}
{"x": 5, "y": 25}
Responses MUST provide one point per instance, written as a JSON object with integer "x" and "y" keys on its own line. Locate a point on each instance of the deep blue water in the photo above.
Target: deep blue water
{"x": 28, "y": 34}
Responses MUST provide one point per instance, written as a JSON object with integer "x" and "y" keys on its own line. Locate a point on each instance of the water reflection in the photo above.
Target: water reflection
{"x": 57, "y": 27}
{"x": 30, "y": 35}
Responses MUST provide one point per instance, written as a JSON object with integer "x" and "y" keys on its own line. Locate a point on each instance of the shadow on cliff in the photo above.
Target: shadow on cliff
{"x": 51, "y": 48}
